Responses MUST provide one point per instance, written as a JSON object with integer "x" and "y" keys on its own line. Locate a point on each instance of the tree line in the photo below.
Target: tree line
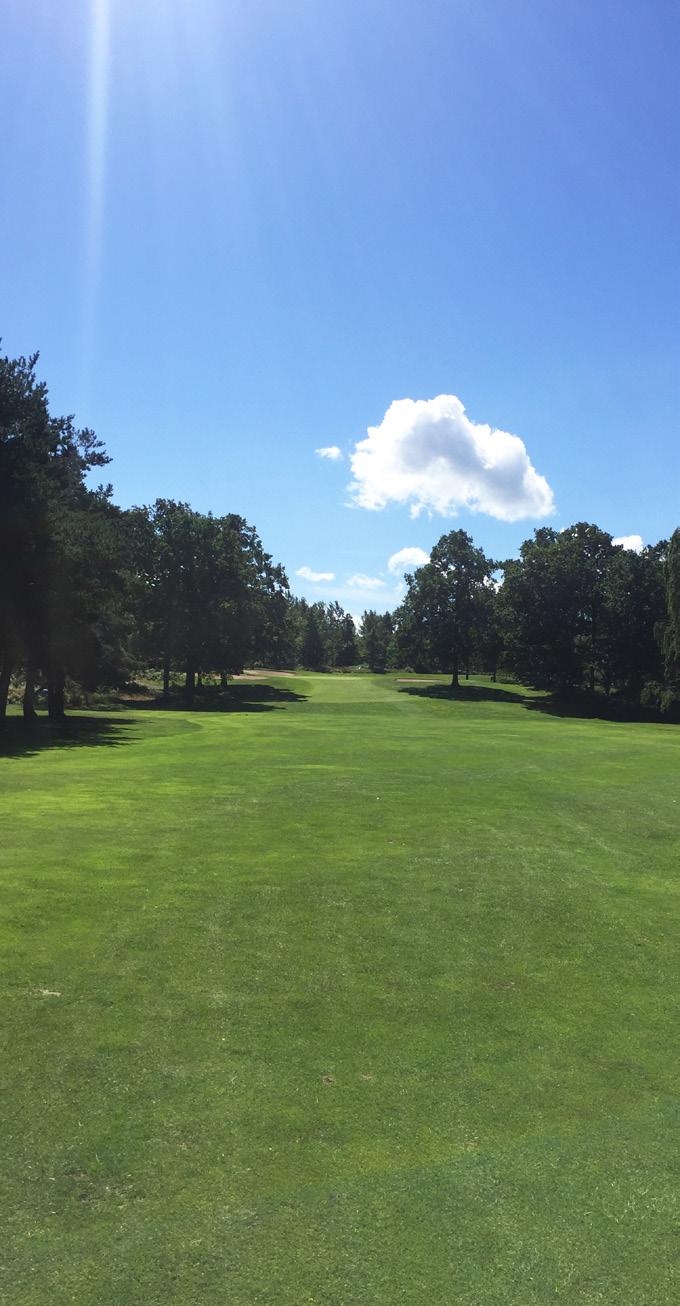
{"x": 92, "y": 594}
{"x": 574, "y": 613}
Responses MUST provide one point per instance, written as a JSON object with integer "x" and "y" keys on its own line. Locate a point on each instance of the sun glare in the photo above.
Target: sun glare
{"x": 97, "y": 121}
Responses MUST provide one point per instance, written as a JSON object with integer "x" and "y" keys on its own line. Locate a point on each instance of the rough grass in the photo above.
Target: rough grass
{"x": 351, "y": 994}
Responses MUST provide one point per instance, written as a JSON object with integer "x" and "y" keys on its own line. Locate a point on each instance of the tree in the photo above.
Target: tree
{"x": 45, "y": 512}
{"x": 553, "y": 603}
{"x": 633, "y": 607}
{"x": 580, "y": 612}
{"x": 210, "y": 595}
{"x": 671, "y": 633}
{"x": 487, "y": 634}
{"x": 444, "y": 601}
{"x": 312, "y": 651}
{"x": 376, "y": 633}
{"x": 347, "y": 652}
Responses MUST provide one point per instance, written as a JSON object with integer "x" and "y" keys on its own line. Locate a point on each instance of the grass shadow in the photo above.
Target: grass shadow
{"x": 597, "y": 709}
{"x": 240, "y": 697}
{"x": 466, "y": 693}
{"x": 19, "y": 738}
{"x": 586, "y": 708}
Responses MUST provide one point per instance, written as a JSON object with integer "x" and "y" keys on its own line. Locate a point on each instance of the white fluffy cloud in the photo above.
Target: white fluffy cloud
{"x": 634, "y": 542}
{"x": 363, "y": 582}
{"x": 406, "y": 560}
{"x": 428, "y": 454}
{"x": 308, "y": 573}
{"x": 330, "y": 451}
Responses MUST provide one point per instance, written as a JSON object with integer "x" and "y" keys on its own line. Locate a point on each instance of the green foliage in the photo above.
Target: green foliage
{"x": 88, "y": 591}
{"x": 579, "y": 612}
{"x": 323, "y": 635}
{"x": 55, "y": 535}
{"x": 671, "y": 635}
{"x": 209, "y": 594}
{"x": 445, "y": 606}
{"x": 313, "y": 652}
{"x": 377, "y": 631}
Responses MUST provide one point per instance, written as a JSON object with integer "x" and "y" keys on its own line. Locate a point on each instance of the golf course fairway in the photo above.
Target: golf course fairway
{"x": 354, "y": 993}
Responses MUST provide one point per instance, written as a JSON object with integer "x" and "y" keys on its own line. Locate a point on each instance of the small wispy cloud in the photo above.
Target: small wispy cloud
{"x": 405, "y": 559}
{"x": 316, "y": 577}
{"x": 633, "y": 542}
{"x": 363, "y": 582}
{"x": 330, "y": 451}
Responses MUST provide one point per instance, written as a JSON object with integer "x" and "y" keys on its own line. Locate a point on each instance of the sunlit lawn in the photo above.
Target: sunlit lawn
{"x": 357, "y": 996}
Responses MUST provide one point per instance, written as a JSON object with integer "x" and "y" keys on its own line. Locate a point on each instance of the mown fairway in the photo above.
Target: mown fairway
{"x": 356, "y": 996}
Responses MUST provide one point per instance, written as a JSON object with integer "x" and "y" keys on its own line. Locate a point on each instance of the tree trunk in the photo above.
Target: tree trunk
{"x": 166, "y": 676}
{"x": 190, "y": 681}
{"x": 5, "y": 677}
{"x": 455, "y": 683}
{"x": 29, "y": 711}
{"x": 55, "y": 696}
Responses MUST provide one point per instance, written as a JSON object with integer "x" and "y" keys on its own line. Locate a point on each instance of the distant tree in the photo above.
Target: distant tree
{"x": 671, "y": 631}
{"x": 553, "y": 603}
{"x": 210, "y": 596}
{"x": 347, "y": 652}
{"x": 633, "y": 606}
{"x": 437, "y": 620}
{"x": 312, "y": 651}
{"x": 376, "y": 632}
{"x": 487, "y": 633}
{"x": 579, "y": 612}
{"x": 296, "y": 612}
{"x": 331, "y": 618}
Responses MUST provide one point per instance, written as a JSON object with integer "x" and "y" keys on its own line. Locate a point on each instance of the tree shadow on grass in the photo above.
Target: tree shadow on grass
{"x": 19, "y": 738}
{"x": 242, "y": 697}
{"x": 597, "y": 708}
{"x": 466, "y": 693}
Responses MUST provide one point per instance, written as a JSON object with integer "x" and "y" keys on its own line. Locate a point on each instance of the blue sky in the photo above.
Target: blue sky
{"x": 238, "y": 232}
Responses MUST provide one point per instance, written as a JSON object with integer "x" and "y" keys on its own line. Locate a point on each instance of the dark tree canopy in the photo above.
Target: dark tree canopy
{"x": 55, "y": 538}
{"x": 443, "y": 607}
{"x": 671, "y": 630}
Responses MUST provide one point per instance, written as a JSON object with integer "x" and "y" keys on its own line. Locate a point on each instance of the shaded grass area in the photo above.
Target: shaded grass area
{"x": 19, "y": 738}
{"x": 369, "y": 998}
{"x": 479, "y": 689}
{"x": 248, "y": 696}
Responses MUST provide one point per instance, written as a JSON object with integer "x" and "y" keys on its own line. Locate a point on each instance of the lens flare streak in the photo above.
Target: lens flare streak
{"x": 97, "y": 130}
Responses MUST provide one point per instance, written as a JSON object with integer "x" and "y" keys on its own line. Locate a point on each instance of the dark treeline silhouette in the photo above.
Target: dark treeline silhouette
{"x": 574, "y": 613}
{"x": 92, "y": 595}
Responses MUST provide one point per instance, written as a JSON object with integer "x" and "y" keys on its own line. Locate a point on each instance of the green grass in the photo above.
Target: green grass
{"x": 364, "y": 996}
